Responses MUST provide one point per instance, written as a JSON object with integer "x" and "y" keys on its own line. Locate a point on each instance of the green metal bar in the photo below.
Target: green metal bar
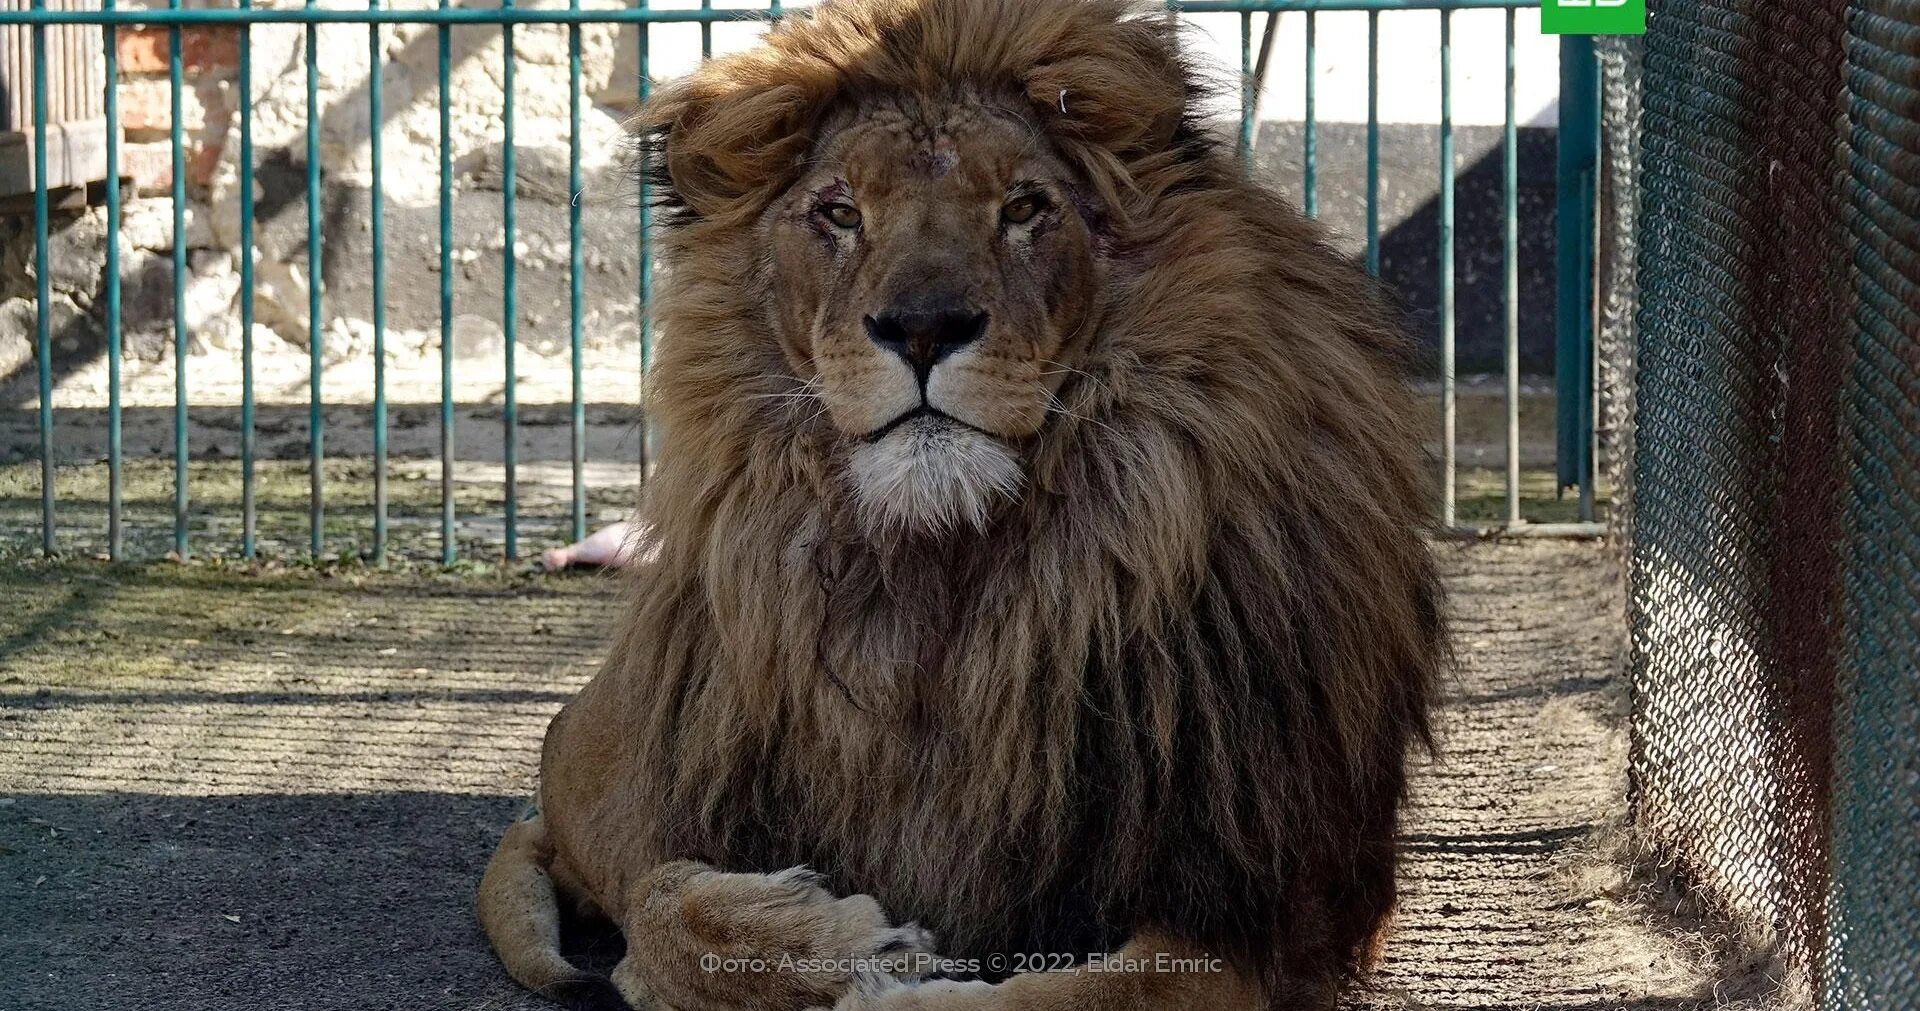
{"x": 510, "y": 411}
{"x": 1246, "y": 94}
{"x": 1449, "y": 450}
{"x": 1578, "y": 166}
{"x": 485, "y": 17}
{"x": 577, "y": 417}
{"x": 377, "y": 212}
{"x": 316, "y": 340}
{"x": 43, "y": 292}
{"x": 449, "y": 548}
{"x": 706, "y": 31}
{"x": 179, "y": 187}
{"x": 1511, "y": 140}
{"x": 556, "y": 16}
{"x": 249, "y": 504}
{"x": 110, "y": 42}
{"x": 645, "y": 85}
{"x": 1232, "y": 6}
{"x": 1268, "y": 33}
{"x": 443, "y": 18}
{"x": 1373, "y": 144}
{"x": 1310, "y": 184}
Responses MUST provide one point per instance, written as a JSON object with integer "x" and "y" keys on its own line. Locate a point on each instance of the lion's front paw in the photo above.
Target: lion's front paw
{"x": 765, "y": 940}
{"x": 875, "y": 992}
{"x": 792, "y": 913}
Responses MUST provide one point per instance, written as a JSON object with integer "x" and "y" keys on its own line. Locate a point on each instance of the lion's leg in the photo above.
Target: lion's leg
{"x": 700, "y": 939}
{"x": 1154, "y": 972}
{"x": 520, "y": 911}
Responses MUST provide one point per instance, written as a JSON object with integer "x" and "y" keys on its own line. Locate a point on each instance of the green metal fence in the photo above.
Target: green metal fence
{"x": 1575, "y": 202}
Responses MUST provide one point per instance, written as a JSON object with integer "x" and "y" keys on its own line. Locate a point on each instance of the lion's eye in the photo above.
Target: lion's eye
{"x": 1020, "y": 210}
{"x": 842, "y": 215}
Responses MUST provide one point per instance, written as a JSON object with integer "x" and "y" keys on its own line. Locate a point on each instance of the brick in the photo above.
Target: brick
{"x": 201, "y": 164}
{"x": 150, "y": 165}
{"x": 146, "y": 106}
{"x": 202, "y": 50}
{"x": 142, "y": 50}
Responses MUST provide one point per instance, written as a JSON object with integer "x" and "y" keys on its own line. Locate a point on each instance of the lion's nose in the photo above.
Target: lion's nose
{"x": 923, "y": 332}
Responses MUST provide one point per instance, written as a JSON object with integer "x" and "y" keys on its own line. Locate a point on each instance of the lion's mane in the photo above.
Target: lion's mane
{"x": 1175, "y": 684}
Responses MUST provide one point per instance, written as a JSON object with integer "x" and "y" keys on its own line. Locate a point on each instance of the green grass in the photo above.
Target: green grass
{"x": 1482, "y": 498}
{"x": 413, "y": 508}
{"x": 83, "y": 625}
{"x": 281, "y": 498}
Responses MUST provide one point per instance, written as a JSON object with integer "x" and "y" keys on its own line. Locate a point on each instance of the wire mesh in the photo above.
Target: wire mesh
{"x": 1620, "y": 59}
{"x": 1772, "y": 555}
{"x": 1874, "y": 918}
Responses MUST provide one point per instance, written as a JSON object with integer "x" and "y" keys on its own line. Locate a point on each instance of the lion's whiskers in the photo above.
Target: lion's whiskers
{"x": 1054, "y": 406}
{"x": 809, "y": 390}
{"x": 1064, "y": 369}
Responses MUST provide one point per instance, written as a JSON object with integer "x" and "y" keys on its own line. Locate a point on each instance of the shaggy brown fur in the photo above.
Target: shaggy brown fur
{"x": 1162, "y": 693}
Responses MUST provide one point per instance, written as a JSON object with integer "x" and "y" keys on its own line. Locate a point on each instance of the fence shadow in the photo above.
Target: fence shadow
{"x": 282, "y": 432}
{"x": 311, "y": 902}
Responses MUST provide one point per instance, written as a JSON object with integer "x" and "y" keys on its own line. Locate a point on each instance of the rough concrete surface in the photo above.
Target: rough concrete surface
{"x": 227, "y": 791}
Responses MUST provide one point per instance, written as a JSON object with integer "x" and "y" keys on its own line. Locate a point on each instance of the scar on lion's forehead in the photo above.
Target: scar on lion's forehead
{"x": 935, "y": 160}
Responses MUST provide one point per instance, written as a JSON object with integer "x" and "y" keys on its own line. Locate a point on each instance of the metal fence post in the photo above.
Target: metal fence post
{"x": 1574, "y": 206}
{"x": 1578, "y": 200}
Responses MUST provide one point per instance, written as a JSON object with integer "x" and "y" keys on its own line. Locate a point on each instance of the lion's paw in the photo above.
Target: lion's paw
{"x": 877, "y": 992}
{"x": 805, "y": 919}
{"x": 765, "y": 940}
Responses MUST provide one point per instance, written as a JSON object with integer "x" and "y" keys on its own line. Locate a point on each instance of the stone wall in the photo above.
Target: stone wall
{"x": 210, "y": 61}
{"x": 211, "y": 101}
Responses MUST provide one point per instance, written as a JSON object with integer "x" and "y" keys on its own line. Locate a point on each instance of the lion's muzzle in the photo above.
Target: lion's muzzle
{"x": 925, "y": 329}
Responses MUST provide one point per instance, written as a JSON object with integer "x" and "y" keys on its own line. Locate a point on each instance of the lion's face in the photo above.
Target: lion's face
{"x": 933, "y": 268}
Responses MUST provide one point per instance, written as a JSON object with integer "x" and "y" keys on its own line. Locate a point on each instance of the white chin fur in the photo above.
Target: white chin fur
{"x": 933, "y": 475}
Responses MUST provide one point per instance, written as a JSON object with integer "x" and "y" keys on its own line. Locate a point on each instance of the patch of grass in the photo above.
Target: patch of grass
{"x": 1481, "y": 498}
{"x": 413, "y": 510}
{"x": 283, "y": 523}
{"x": 79, "y": 624}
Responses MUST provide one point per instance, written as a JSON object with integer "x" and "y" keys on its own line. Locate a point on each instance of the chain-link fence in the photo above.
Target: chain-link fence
{"x": 1775, "y": 539}
{"x": 1874, "y": 915}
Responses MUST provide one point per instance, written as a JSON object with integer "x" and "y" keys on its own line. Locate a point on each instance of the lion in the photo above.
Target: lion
{"x": 1039, "y": 573}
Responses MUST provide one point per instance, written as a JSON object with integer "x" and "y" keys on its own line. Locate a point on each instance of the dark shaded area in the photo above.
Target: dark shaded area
{"x": 66, "y": 699}
{"x": 363, "y": 900}
{"x": 282, "y": 431}
{"x": 318, "y": 902}
{"x": 1410, "y": 227}
{"x": 146, "y": 300}
{"x": 1753, "y": 256}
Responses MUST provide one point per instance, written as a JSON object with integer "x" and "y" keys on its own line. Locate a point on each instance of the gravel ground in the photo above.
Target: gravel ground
{"x": 221, "y": 790}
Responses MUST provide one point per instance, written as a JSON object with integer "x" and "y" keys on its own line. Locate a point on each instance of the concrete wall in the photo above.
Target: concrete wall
{"x": 1410, "y": 169}
{"x": 410, "y": 138}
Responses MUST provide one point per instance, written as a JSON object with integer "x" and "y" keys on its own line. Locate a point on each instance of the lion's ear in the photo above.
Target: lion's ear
{"x": 1123, "y": 89}
{"x": 722, "y": 141}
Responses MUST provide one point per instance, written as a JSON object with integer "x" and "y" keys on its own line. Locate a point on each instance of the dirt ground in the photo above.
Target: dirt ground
{"x": 221, "y": 790}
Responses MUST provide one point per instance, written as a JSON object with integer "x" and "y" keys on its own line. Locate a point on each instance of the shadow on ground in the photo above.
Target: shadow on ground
{"x": 249, "y": 901}
{"x": 223, "y": 790}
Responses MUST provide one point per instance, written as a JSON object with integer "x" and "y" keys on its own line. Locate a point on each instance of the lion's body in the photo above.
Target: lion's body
{"x": 1169, "y": 686}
